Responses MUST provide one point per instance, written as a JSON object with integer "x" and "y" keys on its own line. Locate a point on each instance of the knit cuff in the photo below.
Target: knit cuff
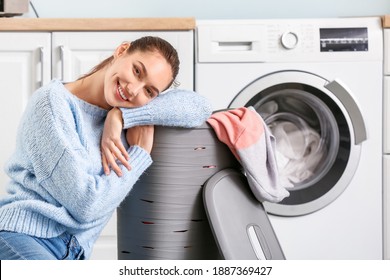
{"x": 140, "y": 160}
{"x": 136, "y": 116}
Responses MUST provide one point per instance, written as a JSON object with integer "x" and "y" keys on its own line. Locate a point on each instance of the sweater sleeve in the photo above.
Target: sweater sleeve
{"x": 88, "y": 196}
{"x": 61, "y": 164}
{"x": 179, "y": 108}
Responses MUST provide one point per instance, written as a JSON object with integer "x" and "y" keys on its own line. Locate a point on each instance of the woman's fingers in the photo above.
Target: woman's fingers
{"x": 113, "y": 151}
{"x": 112, "y": 155}
{"x": 106, "y": 167}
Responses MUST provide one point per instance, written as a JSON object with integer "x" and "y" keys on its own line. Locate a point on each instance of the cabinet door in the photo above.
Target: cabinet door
{"x": 24, "y": 67}
{"x": 386, "y": 66}
{"x": 386, "y": 207}
{"x": 76, "y": 53}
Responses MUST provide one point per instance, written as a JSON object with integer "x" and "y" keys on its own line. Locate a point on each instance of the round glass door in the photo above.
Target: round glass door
{"x": 315, "y": 147}
{"x": 307, "y": 134}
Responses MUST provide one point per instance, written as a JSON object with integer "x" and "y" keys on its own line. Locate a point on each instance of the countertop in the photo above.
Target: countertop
{"x": 106, "y": 24}
{"x": 95, "y": 24}
{"x": 386, "y": 21}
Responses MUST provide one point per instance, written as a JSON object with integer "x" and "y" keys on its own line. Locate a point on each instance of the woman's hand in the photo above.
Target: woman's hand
{"x": 141, "y": 136}
{"x": 111, "y": 146}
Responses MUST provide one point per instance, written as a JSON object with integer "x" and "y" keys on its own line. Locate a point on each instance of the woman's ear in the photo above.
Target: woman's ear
{"x": 121, "y": 49}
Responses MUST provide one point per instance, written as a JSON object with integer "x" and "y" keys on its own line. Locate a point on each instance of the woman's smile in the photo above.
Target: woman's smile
{"x": 120, "y": 93}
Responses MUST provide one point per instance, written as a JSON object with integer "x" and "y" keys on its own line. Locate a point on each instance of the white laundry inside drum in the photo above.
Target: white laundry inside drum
{"x": 299, "y": 148}
{"x": 306, "y": 135}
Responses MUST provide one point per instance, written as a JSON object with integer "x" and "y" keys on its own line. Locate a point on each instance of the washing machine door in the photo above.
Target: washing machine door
{"x": 318, "y": 129}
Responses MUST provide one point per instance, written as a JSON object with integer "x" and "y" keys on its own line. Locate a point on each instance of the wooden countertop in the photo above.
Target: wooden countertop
{"x": 106, "y": 24}
{"x": 386, "y": 21}
{"x": 95, "y": 24}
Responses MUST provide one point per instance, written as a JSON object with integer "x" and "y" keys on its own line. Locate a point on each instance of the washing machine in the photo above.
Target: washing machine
{"x": 317, "y": 83}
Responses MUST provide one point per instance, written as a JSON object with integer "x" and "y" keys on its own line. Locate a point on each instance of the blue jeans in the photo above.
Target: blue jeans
{"x": 18, "y": 246}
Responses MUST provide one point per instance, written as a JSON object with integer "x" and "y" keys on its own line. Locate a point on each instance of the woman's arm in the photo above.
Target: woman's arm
{"x": 59, "y": 161}
{"x": 112, "y": 148}
{"x": 89, "y": 196}
{"x": 111, "y": 144}
{"x": 182, "y": 108}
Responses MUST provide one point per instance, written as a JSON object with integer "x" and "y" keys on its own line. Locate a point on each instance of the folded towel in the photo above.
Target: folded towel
{"x": 248, "y": 137}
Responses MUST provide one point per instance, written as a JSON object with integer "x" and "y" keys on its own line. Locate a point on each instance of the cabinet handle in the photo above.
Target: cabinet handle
{"x": 42, "y": 59}
{"x": 62, "y": 55}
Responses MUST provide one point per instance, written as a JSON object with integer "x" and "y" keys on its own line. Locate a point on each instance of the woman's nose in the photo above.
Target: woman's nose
{"x": 134, "y": 89}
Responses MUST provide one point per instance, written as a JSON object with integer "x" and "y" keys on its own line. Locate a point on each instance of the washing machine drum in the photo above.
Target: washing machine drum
{"x": 315, "y": 142}
{"x": 307, "y": 135}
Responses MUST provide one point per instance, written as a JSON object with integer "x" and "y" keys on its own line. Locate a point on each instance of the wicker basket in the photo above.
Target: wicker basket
{"x": 163, "y": 217}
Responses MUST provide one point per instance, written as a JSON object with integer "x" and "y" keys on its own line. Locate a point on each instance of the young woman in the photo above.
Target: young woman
{"x": 61, "y": 193}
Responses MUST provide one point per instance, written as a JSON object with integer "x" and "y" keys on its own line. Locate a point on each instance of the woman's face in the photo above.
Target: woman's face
{"x": 133, "y": 80}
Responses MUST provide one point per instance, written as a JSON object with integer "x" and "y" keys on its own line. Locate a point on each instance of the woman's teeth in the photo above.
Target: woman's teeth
{"x": 120, "y": 90}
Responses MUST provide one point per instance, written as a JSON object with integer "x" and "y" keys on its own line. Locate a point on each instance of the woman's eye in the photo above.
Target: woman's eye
{"x": 150, "y": 93}
{"x": 137, "y": 71}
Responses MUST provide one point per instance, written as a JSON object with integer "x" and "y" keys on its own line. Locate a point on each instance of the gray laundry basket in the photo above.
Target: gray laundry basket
{"x": 164, "y": 217}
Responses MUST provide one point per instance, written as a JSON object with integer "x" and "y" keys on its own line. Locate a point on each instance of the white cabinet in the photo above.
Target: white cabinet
{"x": 386, "y": 146}
{"x": 386, "y": 207}
{"x": 25, "y": 65}
{"x": 386, "y": 92}
{"x": 386, "y": 55}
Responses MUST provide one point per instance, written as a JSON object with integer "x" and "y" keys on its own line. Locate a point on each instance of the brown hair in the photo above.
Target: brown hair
{"x": 144, "y": 44}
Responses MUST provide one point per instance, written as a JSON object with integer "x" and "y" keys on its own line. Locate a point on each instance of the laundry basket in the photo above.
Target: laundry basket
{"x": 163, "y": 217}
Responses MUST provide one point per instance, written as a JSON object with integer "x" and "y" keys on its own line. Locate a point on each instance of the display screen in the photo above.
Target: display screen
{"x": 344, "y": 39}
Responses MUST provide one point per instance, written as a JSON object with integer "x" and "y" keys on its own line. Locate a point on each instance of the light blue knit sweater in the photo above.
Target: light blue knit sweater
{"x": 57, "y": 180}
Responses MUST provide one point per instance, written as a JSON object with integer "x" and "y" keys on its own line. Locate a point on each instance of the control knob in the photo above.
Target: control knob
{"x": 289, "y": 40}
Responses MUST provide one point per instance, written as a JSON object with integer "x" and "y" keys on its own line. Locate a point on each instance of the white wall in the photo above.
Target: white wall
{"x": 210, "y": 9}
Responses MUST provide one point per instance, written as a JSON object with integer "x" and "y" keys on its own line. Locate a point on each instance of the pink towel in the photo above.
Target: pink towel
{"x": 247, "y": 136}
